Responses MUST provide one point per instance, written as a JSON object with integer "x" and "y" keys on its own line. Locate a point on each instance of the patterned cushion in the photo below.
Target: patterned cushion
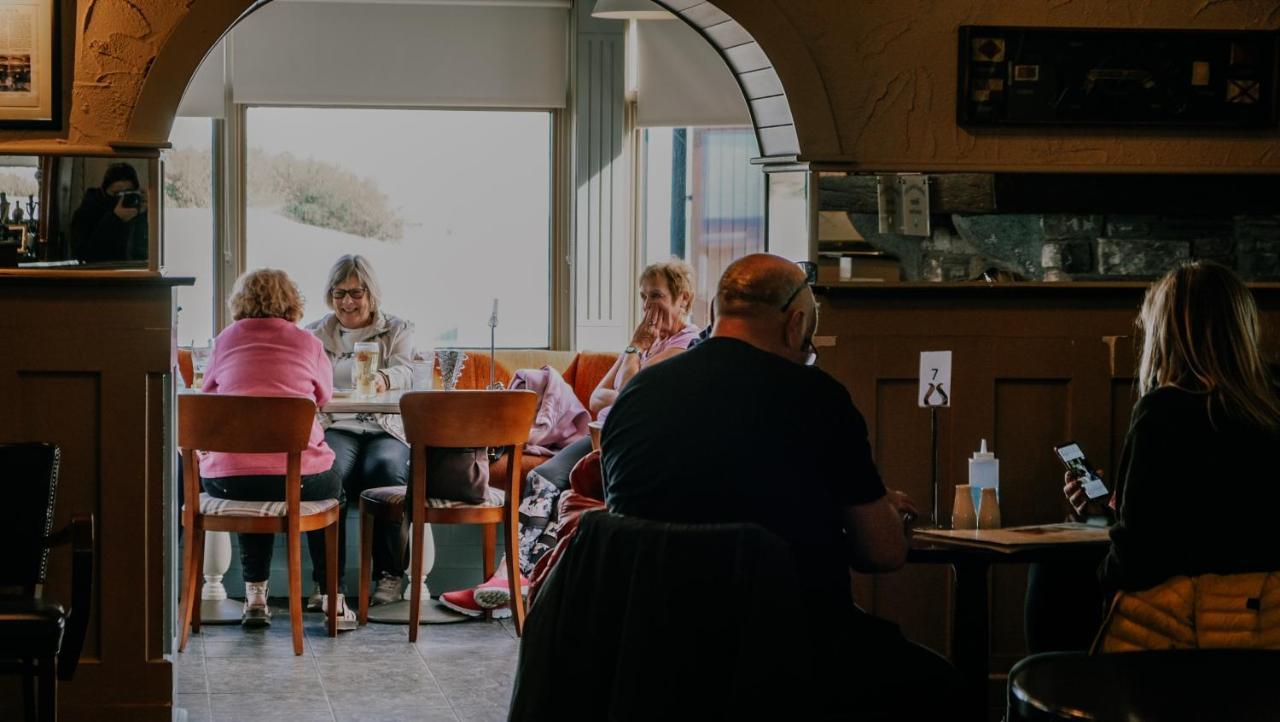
{"x": 213, "y": 506}
{"x": 394, "y": 496}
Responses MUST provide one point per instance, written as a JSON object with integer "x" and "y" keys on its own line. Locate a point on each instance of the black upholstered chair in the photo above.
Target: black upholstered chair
{"x": 1184, "y": 685}
{"x": 646, "y": 620}
{"x": 39, "y": 639}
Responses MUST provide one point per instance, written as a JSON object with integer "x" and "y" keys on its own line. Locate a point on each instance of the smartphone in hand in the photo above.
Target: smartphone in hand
{"x": 1073, "y": 458}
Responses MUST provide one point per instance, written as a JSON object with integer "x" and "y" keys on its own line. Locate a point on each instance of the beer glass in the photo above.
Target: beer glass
{"x": 199, "y": 362}
{"x": 364, "y": 368}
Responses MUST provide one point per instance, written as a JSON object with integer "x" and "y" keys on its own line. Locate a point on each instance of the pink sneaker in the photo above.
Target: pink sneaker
{"x": 464, "y": 602}
{"x": 495, "y": 592}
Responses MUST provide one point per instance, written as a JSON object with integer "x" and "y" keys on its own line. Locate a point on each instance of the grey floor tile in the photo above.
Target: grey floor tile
{"x": 254, "y": 645}
{"x": 403, "y": 675}
{"x": 280, "y": 675}
{"x": 265, "y": 706}
{"x": 191, "y": 677}
{"x": 365, "y": 707}
{"x": 372, "y": 640}
{"x": 481, "y": 713}
{"x": 196, "y": 705}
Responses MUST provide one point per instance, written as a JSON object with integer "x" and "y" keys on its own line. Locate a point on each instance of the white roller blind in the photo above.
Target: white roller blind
{"x": 347, "y": 53}
{"x": 203, "y": 97}
{"x": 682, "y": 81}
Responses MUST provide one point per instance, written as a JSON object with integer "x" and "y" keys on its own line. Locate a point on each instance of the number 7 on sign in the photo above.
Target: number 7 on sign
{"x": 935, "y": 379}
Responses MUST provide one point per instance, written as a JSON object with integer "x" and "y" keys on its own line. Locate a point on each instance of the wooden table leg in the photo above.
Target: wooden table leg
{"x": 971, "y": 636}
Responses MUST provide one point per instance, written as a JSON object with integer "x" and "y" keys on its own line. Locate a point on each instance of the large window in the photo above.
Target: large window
{"x": 701, "y": 200}
{"x": 452, "y": 207}
{"x": 188, "y": 224}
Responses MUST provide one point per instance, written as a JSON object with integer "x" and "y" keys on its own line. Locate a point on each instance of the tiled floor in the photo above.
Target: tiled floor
{"x": 458, "y": 671}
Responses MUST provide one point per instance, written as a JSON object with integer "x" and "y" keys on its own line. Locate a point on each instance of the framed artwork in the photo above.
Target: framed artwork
{"x": 29, "y": 65}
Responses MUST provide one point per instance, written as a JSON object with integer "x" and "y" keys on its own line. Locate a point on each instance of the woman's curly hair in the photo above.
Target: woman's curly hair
{"x": 266, "y": 293}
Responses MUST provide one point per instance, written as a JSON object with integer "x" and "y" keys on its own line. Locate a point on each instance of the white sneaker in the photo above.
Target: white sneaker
{"x": 256, "y": 612}
{"x": 387, "y": 591}
{"x": 426, "y": 593}
{"x": 347, "y": 620}
{"x": 313, "y": 601}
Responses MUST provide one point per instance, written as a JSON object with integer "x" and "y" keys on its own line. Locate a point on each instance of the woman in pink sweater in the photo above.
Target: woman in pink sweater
{"x": 264, "y": 353}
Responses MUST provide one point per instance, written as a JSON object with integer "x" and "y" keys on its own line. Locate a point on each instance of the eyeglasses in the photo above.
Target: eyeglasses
{"x": 340, "y": 293}
{"x": 791, "y": 299}
{"x": 812, "y": 353}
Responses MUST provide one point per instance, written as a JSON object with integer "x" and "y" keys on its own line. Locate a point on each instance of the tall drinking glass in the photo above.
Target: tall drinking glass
{"x": 364, "y": 369}
{"x": 199, "y": 362}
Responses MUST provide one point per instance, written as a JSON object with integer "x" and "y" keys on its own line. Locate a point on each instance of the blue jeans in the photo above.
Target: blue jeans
{"x": 255, "y": 549}
{"x": 367, "y": 460}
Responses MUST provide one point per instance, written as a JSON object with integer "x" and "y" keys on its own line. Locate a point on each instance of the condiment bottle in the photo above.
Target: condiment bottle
{"x": 989, "y": 510}
{"x": 962, "y": 514}
{"x": 984, "y": 472}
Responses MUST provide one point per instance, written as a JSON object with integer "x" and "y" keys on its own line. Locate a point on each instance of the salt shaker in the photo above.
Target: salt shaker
{"x": 989, "y": 509}
{"x": 962, "y": 513}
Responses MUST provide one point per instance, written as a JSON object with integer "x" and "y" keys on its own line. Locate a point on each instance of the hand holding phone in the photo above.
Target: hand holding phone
{"x": 1073, "y": 458}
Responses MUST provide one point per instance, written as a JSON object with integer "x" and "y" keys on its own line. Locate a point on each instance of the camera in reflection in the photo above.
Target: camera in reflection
{"x": 130, "y": 199}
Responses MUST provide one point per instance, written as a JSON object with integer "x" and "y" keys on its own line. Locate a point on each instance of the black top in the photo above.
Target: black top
{"x": 1194, "y": 498}
{"x": 98, "y": 234}
{"x": 726, "y": 432}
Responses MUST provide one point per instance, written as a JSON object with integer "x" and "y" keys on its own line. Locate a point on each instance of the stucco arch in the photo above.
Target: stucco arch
{"x": 786, "y": 94}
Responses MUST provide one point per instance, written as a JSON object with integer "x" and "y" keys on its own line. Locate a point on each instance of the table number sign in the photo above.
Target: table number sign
{"x": 935, "y": 379}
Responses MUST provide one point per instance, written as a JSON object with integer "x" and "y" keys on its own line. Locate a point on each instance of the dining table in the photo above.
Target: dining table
{"x": 971, "y": 615}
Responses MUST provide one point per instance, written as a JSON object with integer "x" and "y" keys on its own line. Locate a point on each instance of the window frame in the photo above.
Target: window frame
{"x": 230, "y": 193}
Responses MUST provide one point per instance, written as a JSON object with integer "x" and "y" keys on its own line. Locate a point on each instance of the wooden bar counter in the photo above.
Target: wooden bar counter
{"x": 85, "y": 359}
{"x": 1034, "y": 364}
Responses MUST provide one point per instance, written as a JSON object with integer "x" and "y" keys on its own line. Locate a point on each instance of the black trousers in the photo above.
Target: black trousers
{"x": 256, "y": 549}
{"x": 367, "y": 460}
{"x": 556, "y": 469}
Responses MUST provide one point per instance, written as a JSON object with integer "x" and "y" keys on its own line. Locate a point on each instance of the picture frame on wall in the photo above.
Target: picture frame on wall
{"x": 30, "y": 70}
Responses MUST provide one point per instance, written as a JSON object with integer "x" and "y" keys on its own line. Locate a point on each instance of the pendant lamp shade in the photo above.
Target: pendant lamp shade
{"x": 630, "y": 10}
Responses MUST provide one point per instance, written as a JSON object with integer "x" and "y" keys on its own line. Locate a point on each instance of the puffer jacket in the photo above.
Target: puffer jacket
{"x": 1208, "y": 611}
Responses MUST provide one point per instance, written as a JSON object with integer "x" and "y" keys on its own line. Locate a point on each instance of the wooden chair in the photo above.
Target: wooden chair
{"x": 452, "y": 419}
{"x": 39, "y": 638}
{"x": 252, "y": 425}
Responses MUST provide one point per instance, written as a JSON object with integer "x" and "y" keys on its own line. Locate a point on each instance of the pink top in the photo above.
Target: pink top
{"x": 680, "y": 339}
{"x": 268, "y": 357}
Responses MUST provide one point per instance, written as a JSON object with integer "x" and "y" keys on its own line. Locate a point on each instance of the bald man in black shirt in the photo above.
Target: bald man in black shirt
{"x": 742, "y": 428}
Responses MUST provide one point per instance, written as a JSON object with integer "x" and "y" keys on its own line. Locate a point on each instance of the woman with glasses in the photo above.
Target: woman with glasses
{"x": 369, "y": 448}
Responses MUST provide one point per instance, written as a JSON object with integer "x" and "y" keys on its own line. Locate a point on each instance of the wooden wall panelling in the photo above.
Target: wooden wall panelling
{"x": 84, "y": 366}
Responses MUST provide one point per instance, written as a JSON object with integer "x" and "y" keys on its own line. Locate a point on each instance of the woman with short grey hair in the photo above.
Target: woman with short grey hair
{"x": 369, "y": 449}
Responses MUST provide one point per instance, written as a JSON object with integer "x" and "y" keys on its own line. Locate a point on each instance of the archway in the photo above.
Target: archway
{"x": 787, "y": 97}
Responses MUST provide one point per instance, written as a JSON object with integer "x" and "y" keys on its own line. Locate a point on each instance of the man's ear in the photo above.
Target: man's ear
{"x": 793, "y": 332}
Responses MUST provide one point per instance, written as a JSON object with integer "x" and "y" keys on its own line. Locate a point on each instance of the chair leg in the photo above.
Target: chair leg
{"x": 47, "y": 707}
{"x": 513, "y": 576}
{"x": 331, "y": 575}
{"x": 199, "y": 567}
{"x": 294, "y": 545}
{"x": 415, "y": 575}
{"x": 488, "y": 551}
{"x": 28, "y": 690}
{"x": 193, "y": 572}
{"x": 366, "y": 562}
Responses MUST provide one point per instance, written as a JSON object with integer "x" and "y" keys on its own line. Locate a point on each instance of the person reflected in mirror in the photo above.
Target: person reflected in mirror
{"x": 110, "y": 223}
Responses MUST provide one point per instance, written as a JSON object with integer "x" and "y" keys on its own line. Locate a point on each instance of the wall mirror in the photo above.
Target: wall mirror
{"x": 78, "y": 212}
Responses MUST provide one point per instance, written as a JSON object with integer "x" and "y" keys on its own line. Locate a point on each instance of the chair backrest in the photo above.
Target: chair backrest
{"x": 614, "y": 619}
{"x": 451, "y": 419}
{"x": 244, "y": 424}
{"x": 30, "y": 476}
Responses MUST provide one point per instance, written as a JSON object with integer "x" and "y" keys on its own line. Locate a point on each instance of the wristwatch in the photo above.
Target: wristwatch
{"x": 631, "y": 349}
